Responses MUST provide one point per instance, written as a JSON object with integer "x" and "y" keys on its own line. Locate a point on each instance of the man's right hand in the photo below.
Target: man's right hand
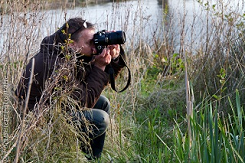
{"x": 103, "y": 59}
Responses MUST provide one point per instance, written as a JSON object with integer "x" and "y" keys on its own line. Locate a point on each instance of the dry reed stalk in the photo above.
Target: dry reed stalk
{"x": 24, "y": 113}
{"x": 189, "y": 102}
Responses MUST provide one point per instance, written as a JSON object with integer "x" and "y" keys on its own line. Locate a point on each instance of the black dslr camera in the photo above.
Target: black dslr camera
{"x": 104, "y": 38}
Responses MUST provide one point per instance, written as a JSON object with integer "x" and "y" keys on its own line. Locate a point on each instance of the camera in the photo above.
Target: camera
{"x": 104, "y": 38}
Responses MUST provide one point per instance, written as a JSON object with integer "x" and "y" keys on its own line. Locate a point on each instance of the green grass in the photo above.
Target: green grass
{"x": 214, "y": 138}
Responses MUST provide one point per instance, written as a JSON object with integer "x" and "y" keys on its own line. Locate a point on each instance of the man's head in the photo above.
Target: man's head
{"x": 82, "y": 33}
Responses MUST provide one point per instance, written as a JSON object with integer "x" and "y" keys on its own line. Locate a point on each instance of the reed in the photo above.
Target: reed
{"x": 216, "y": 138}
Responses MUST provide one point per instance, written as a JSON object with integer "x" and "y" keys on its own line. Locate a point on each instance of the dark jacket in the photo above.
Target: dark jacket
{"x": 87, "y": 85}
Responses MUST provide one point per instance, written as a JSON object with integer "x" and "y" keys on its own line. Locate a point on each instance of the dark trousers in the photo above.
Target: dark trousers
{"x": 99, "y": 120}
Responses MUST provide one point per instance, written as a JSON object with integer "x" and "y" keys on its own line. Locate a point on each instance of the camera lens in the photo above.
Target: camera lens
{"x": 117, "y": 37}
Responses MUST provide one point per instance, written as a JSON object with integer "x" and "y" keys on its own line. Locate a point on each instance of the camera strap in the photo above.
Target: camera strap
{"x": 112, "y": 75}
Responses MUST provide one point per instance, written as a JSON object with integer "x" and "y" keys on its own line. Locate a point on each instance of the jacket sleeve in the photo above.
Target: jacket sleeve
{"x": 89, "y": 88}
{"x": 94, "y": 82}
{"x": 89, "y": 82}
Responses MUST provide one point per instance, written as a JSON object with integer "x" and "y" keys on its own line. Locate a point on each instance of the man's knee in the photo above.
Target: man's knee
{"x": 101, "y": 121}
{"x": 102, "y": 118}
{"x": 104, "y": 99}
{"x": 103, "y": 103}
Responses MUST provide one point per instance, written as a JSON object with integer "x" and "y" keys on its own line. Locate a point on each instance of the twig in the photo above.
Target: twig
{"x": 8, "y": 152}
{"x": 24, "y": 113}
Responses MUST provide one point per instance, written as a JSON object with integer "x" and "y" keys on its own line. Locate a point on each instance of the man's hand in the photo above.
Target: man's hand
{"x": 103, "y": 59}
{"x": 114, "y": 50}
{"x": 109, "y": 53}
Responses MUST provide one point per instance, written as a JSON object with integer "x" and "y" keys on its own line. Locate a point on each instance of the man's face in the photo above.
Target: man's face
{"x": 85, "y": 44}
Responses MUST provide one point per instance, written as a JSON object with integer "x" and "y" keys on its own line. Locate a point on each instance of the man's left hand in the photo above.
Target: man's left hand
{"x": 114, "y": 50}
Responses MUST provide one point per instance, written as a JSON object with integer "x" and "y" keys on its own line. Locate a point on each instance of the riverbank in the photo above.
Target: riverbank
{"x": 7, "y": 6}
{"x": 53, "y": 4}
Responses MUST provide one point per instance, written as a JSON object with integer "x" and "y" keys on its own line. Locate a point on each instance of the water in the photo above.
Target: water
{"x": 134, "y": 17}
{"x": 140, "y": 19}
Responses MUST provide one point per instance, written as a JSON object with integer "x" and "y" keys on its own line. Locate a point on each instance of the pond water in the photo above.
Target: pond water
{"x": 140, "y": 19}
{"x": 199, "y": 17}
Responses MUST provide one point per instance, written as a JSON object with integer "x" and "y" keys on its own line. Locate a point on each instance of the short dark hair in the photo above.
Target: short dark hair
{"x": 72, "y": 27}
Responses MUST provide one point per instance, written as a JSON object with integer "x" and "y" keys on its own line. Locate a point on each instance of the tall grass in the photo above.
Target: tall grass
{"x": 148, "y": 121}
{"x": 215, "y": 138}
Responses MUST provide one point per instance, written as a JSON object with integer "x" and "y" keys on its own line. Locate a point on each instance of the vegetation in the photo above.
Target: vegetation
{"x": 185, "y": 102}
